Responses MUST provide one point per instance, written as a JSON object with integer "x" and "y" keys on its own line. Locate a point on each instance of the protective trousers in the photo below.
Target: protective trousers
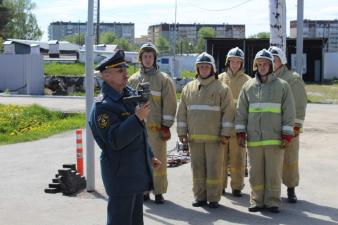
{"x": 125, "y": 210}
{"x": 234, "y": 157}
{"x": 265, "y": 176}
{"x": 207, "y": 170}
{"x": 290, "y": 166}
{"x": 159, "y": 148}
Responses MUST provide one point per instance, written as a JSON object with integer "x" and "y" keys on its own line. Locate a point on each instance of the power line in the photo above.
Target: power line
{"x": 220, "y": 10}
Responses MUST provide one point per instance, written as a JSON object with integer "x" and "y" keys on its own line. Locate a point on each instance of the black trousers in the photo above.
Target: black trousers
{"x": 125, "y": 210}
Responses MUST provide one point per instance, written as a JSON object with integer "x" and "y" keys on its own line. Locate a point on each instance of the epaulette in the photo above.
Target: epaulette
{"x": 99, "y": 98}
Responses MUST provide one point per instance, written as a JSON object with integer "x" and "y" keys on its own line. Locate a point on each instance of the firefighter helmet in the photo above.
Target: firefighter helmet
{"x": 206, "y": 58}
{"x": 147, "y": 47}
{"x": 235, "y": 53}
{"x": 278, "y": 52}
{"x": 263, "y": 54}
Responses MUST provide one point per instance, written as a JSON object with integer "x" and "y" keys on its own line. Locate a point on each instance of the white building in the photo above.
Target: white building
{"x": 319, "y": 29}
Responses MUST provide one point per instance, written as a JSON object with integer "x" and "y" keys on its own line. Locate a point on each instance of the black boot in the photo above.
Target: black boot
{"x": 146, "y": 197}
{"x": 292, "y": 198}
{"x": 159, "y": 199}
{"x": 237, "y": 193}
{"x": 213, "y": 205}
{"x": 255, "y": 208}
{"x": 274, "y": 209}
{"x": 199, "y": 203}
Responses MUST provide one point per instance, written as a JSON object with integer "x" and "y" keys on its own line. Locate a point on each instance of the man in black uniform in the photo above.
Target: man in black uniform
{"x": 126, "y": 158}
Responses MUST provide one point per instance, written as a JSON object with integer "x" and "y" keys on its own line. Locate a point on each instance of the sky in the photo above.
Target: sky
{"x": 143, "y": 13}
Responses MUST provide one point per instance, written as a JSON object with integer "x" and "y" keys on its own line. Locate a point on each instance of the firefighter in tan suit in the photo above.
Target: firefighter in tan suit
{"x": 290, "y": 167}
{"x": 235, "y": 78}
{"x": 205, "y": 119}
{"x": 161, "y": 118}
{"x": 264, "y": 118}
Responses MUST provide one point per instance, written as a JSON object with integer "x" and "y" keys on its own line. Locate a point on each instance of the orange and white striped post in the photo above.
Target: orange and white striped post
{"x": 79, "y": 151}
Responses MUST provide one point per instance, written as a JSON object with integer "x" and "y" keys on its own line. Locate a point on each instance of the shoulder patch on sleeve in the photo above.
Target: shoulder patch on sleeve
{"x": 103, "y": 120}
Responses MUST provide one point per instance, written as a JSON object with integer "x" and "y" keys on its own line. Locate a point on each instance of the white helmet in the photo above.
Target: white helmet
{"x": 278, "y": 52}
{"x": 206, "y": 58}
{"x": 234, "y": 53}
{"x": 262, "y": 54}
{"x": 147, "y": 47}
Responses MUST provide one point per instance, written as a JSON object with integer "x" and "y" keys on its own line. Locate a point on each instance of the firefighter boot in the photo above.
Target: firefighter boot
{"x": 292, "y": 198}
{"x": 199, "y": 203}
{"x": 213, "y": 205}
{"x": 237, "y": 193}
{"x": 159, "y": 199}
{"x": 146, "y": 197}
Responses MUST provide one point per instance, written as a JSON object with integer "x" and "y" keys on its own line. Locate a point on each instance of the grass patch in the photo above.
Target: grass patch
{"x": 27, "y": 123}
{"x": 75, "y": 69}
{"x": 322, "y": 93}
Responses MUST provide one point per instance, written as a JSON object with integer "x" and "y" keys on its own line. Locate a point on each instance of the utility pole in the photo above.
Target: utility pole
{"x": 90, "y": 154}
{"x": 173, "y": 69}
{"x": 299, "y": 41}
{"x": 98, "y": 23}
{"x": 278, "y": 24}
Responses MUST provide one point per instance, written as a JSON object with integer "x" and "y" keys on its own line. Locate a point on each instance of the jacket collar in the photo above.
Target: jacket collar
{"x": 271, "y": 77}
{"x": 280, "y": 71}
{"x": 205, "y": 82}
{"x": 150, "y": 72}
{"x": 107, "y": 90}
{"x": 232, "y": 75}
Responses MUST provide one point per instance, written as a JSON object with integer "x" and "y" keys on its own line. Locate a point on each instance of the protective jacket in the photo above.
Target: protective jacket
{"x": 234, "y": 81}
{"x": 298, "y": 90}
{"x": 265, "y": 111}
{"x": 163, "y": 97}
{"x": 206, "y": 110}
{"x": 126, "y": 155}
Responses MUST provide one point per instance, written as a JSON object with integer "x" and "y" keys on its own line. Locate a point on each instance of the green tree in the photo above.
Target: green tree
{"x": 184, "y": 46}
{"x": 124, "y": 44}
{"x": 108, "y": 38}
{"x": 162, "y": 44}
{"x": 1, "y": 44}
{"x": 22, "y": 23}
{"x": 76, "y": 38}
{"x": 203, "y": 33}
{"x": 260, "y": 35}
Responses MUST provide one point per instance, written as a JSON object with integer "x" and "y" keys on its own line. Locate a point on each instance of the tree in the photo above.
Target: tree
{"x": 108, "y": 38}
{"x": 203, "y": 33}
{"x": 184, "y": 46}
{"x": 260, "y": 35}
{"x": 162, "y": 44}
{"x": 76, "y": 38}
{"x": 1, "y": 44}
{"x": 22, "y": 23}
{"x": 124, "y": 44}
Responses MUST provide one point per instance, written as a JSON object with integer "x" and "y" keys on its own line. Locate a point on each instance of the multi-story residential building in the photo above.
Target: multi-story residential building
{"x": 58, "y": 30}
{"x": 189, "y": 32}
{"x": 319, "y": 29}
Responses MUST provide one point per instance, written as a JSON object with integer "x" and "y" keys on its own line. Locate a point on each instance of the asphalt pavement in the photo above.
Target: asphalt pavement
{"x": 27, "y": 168}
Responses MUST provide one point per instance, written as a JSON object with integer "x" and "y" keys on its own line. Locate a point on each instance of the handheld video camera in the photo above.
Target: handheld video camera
{"x": 142, "y": 96}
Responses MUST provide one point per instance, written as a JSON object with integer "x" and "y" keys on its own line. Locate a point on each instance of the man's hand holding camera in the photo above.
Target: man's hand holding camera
{"x": 142, "y": 111}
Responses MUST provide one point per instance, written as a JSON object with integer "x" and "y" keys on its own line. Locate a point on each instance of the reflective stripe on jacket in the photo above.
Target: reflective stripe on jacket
{"x": 163, "y": 97}
{"x": 265, "y": 111}
{"x": 206, "y": 110}
{"x": 298, "y": 90}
